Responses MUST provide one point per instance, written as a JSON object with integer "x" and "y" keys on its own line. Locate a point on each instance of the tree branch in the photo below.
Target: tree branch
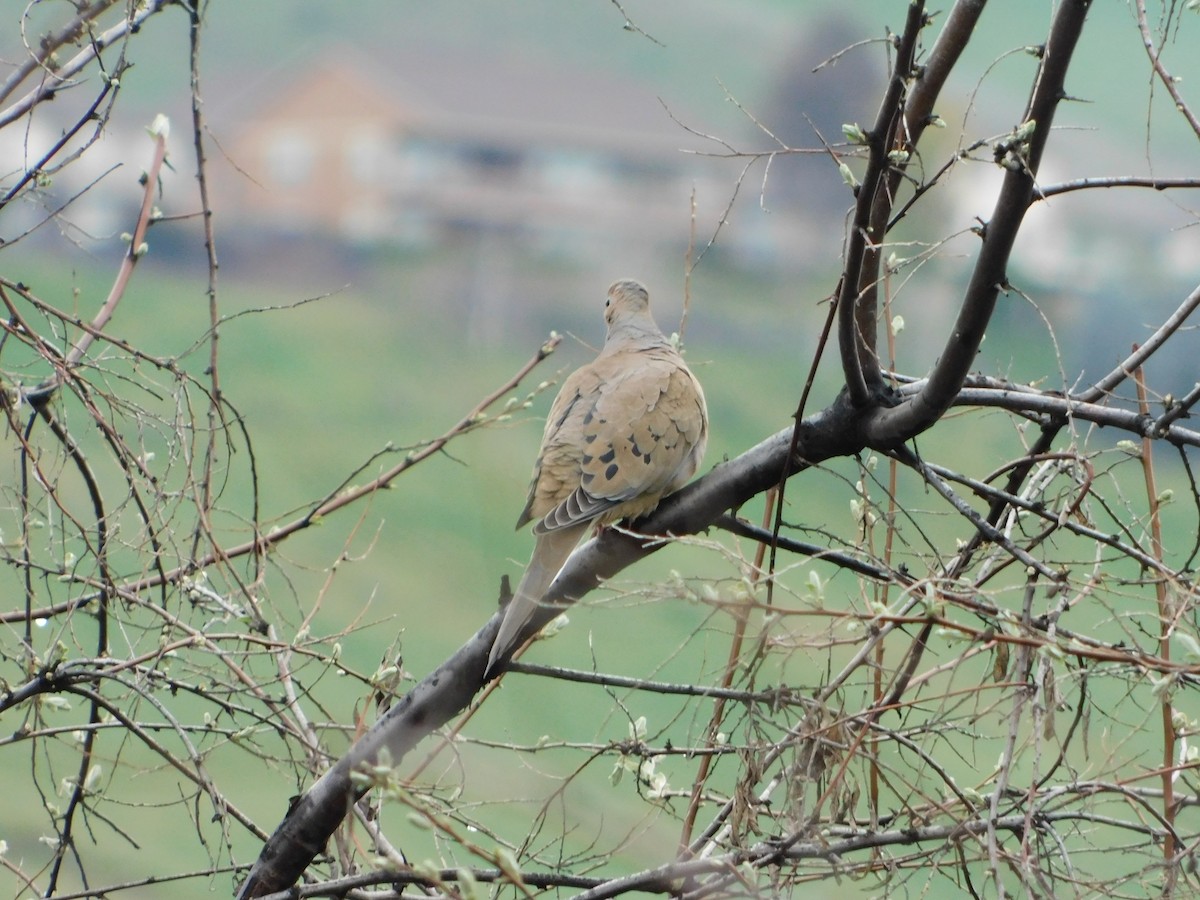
{"x": 889, "y": 426}
{"x": 1140, "y": 354}
{"x": 856, "y": 313}
{"x": 64, "y": 73}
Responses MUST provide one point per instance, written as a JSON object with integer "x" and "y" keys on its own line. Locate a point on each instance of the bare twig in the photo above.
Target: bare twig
{"x": 63, "y": 74}
{"x": 1169, "y": 81}
{"x": 888, "y": 425}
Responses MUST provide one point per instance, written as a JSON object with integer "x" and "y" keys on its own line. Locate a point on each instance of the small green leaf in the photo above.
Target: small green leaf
{"x": 847, "y": 175}
{"x": 854, "y": 133}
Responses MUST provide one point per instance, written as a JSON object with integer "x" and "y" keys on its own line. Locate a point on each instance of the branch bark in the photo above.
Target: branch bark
{"x": 63, "y": 75}
{"x": 1022, "y": 156}
{"x": 856, "y": 307}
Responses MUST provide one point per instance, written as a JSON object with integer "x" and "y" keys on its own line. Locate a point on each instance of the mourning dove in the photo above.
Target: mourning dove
{"x": 625, "y": 430}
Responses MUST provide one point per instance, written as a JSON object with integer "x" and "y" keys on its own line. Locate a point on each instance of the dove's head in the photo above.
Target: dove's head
{"x": 627, "y": 310}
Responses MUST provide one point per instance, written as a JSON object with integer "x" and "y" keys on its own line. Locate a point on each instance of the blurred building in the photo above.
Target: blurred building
{"x": 445, "y": 142}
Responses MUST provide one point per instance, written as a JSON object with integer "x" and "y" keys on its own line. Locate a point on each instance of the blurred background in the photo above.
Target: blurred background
{"x": 419, "y": 193}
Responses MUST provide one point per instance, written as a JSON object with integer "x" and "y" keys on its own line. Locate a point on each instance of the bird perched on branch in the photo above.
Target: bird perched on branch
{"x": 625, "y": 430}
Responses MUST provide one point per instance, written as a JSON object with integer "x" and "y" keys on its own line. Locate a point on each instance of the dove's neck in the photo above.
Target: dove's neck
{"x": 632, "y": 332}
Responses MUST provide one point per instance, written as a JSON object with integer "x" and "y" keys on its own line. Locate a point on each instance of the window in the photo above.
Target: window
{"x": 365, "y": 154}
{"x": 290, "y": 157}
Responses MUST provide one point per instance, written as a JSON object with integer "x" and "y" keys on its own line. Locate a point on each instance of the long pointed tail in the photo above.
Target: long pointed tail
{"x": 549, "y": 554}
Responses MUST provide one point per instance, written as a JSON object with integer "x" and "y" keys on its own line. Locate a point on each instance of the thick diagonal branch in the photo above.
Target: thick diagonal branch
{"x": 856, "y": 323}
{"x": 889, "y": 426}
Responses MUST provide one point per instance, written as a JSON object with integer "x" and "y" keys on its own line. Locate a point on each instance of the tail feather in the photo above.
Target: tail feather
{"x": 549, "y": 554}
